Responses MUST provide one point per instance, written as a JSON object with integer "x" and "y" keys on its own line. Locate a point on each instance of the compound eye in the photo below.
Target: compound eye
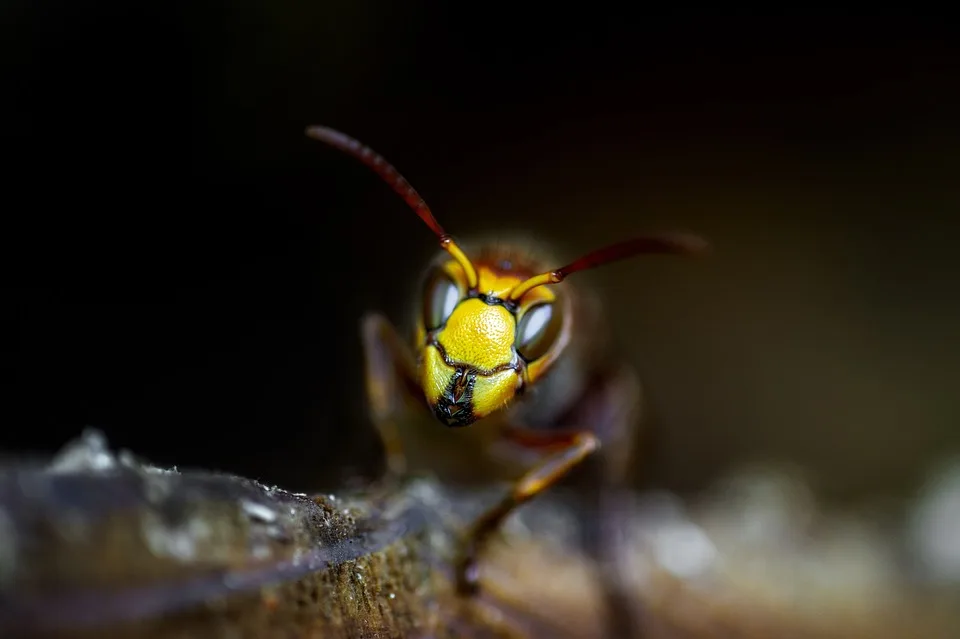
{"x": 440, "y": 296}
{"x": 537, "y": 331}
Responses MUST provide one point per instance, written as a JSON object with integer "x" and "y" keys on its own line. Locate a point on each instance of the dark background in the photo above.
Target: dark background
{"x": 185, "y": 270}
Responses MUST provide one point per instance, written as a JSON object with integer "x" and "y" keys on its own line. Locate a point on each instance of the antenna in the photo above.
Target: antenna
{"x": 662, "y": 243}
{"x": 398, "y": 183}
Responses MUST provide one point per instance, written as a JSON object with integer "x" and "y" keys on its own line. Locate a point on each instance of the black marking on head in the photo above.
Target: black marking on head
{"x": 493, "y": 300}
{"x": 455, "y": 406}
{"x": 517, "y": 364}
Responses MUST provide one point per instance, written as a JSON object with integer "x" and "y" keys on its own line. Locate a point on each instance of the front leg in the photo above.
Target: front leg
{"x": 611, "y": 407}
{"x": 618, "y": 408}
{"x": 391, "y": 381}
{"x": 538, "y": 479}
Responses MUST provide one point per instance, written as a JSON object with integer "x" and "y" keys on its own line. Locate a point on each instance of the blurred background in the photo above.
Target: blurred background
{"x": 186, "y": 271}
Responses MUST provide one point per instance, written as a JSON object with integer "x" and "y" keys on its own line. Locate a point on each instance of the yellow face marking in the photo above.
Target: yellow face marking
{"x": 476, "y": 339}
{"x": 479, "y": 335}
{"x": 489, "y": 392}
{"x": 435, "y": 375}
{"x": 494, "y": 391}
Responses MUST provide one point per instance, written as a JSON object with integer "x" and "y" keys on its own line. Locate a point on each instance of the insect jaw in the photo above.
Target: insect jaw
{"x": 455, "y": 405}
{"x": 460, "y": 393}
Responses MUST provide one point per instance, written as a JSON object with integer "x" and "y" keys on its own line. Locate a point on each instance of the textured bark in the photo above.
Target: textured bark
{"x": 97, "y": 545}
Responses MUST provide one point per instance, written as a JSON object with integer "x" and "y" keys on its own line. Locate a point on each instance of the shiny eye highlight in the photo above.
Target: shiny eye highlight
{"x": 440, "y": 296}
{"x": 537, "y": 330}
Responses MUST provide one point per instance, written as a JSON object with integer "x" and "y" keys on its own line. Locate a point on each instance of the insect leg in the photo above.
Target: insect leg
{"x": 534, "y": 482}
{"x": 390, "y": 380}
{"x": 619, "y": 411}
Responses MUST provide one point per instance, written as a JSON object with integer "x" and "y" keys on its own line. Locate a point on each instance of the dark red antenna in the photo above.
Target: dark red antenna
{"x": 398, "y": 183}
{"x": 381, "y": 167}
{"x": 663, "y": 243}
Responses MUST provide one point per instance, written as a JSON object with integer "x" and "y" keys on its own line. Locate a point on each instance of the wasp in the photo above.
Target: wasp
{"x": 516, "y": 366}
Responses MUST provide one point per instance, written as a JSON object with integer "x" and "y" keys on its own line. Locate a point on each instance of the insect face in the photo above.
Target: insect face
{"x": 478, "y": 348}
{"x": 486, "y": 331}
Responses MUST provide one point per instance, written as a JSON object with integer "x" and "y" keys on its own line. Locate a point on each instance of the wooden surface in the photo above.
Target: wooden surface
{"x": 97, "y": 544}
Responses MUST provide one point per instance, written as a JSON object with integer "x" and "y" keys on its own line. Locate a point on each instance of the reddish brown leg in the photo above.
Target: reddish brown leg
{"x": 537, "y": 480}
{"x": 626, "y": 447}
{"x": 391, "y": 382}
{"x": 613, "y": 408}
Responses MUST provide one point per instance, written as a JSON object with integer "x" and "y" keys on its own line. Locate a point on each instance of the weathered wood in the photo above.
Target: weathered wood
{"x": 97, "y": 545}
{"x": 117, "y": 547}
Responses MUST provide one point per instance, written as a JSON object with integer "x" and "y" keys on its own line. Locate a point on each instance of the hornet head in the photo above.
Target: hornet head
{"x": 487, "y": 331}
